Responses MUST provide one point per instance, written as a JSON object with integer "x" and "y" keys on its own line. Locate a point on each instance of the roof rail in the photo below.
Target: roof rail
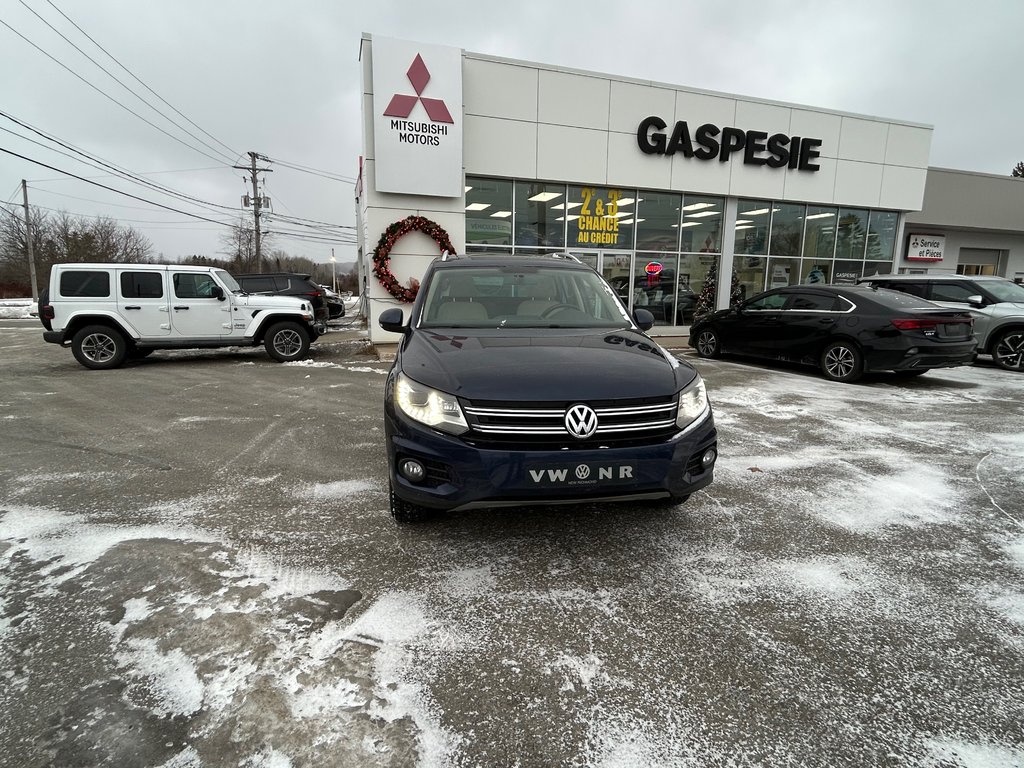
{"x": 565, "y": 256}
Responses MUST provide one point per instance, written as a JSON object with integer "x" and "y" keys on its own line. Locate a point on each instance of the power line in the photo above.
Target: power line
{"x": 122, "y": 66}
{"x": 141, "y": 173}
{"x": 118, "y": 81}
{"x": 314, "y": 171}
{"x": 127, "y": 175}
{"x": 108, "y": 96}
{"x": 111, "y": 189}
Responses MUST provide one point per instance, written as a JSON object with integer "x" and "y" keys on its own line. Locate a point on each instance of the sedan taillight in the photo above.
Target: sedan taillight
{"x": 916, "y": 324}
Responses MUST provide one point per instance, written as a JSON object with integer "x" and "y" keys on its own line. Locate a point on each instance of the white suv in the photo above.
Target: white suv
{"x": 107, "y": 313}
{"x": 996, "y": 303}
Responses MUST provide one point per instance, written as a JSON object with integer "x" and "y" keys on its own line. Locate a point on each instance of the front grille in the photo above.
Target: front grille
{"x": 621, "y": 423}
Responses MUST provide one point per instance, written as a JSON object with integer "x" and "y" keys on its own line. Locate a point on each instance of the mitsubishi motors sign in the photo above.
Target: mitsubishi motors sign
{"x": 417, "y": 121}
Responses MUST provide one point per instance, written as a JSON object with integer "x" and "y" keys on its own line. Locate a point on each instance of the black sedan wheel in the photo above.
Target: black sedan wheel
{"x": 1008, "y": 351}
{"x": 842, "y": 361}
{"x": 707, "y": 343}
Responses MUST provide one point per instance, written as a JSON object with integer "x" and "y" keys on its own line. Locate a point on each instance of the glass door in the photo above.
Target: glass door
{"x": 616, "y": 267}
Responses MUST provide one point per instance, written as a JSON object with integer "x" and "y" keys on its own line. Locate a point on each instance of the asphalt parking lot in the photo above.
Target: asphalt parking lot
{"x": 197, "y": 568}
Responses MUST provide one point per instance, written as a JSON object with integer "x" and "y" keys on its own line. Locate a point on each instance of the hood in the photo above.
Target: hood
{"x": 263, "y": 301}
{"x": 545, "y": 366}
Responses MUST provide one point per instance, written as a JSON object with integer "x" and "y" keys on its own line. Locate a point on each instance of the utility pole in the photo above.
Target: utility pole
{"x": 334, "y": 273}
{"x": 258, "y": 202}
{"x": 28, "y": 242}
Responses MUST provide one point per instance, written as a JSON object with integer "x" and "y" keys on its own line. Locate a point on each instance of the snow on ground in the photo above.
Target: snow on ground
{"x": 16, "y": 309}
{"x": 830, "y": 592}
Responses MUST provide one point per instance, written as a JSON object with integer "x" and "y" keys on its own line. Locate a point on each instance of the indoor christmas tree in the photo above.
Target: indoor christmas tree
{"x": 706, "y": 297}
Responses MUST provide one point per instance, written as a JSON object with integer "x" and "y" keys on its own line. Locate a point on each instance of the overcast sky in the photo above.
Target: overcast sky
{"x": 283, "y": 79}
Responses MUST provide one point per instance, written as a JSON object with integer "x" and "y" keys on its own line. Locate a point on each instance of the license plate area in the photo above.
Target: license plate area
{"x": 581, "y": 474}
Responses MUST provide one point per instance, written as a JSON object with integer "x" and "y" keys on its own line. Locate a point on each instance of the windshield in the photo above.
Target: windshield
{"x": 1004, "y": 290}
{"x": 229, "y": 282}
{"x": 520, "y": 297}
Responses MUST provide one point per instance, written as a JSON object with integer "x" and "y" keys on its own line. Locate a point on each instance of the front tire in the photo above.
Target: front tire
{"x": 99, "y": 347}
{"x": 708, "y": 344}
{"x": 1008, "y": 351}
{"x": 286, "y": 342}
{"x": 404, "y": 512}
{"x": 842, "y": 361}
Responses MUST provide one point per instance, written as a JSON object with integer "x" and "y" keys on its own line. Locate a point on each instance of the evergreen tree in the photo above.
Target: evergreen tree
{"x": 706, "y": 298}
{"x": 1018, "y": 170}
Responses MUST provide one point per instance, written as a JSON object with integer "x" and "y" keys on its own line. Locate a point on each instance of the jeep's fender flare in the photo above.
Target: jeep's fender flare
{"x": 97, "y": 317}
{"x": 264, "y": 319}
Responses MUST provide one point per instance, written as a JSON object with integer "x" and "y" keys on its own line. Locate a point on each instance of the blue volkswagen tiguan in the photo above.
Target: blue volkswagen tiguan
{"x": 523, "y": 380}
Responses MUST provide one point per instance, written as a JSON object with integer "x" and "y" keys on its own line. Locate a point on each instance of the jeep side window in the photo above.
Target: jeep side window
{"x": 192, "y": 286}
{"x": 952, "y": 292}
{"x": 83, "y": 283}
{"x": 142, "y": 285}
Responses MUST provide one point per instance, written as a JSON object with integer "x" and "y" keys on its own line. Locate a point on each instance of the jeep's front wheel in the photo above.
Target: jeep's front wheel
{"x": 403, "y": 511}
{"x": 286, "y": 342}
{"x": 99, "y": 347}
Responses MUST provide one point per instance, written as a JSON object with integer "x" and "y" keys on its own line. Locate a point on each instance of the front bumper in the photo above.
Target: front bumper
{"x": 462, "y": 476}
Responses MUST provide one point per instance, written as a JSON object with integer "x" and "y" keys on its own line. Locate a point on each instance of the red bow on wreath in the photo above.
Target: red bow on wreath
{"x": 390, "y": 236}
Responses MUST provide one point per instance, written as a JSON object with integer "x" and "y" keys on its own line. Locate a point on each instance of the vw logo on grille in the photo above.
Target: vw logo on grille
{"x": 581, "y": 421}
{"x": 582, "y": 472}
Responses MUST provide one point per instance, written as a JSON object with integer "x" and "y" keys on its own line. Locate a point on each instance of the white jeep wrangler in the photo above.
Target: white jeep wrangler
{"x": 110, "y": 312}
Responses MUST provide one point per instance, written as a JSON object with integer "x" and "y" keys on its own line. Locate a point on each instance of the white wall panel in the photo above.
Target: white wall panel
{"x": 631, "y": 103}
{"x": 699, "y": 108}
{"x": 817, "y": 125}
{"x": 908, "y": 145}
{"x": 902, "y": 187}
{"x": 629, "y": 167}
{"x": 574, "y": 100}
{"x": 499, "y": 90}
{"x": 863, "y": 140}
{"x": 756, "y": 180}
{"x": 693, "y": 175}
{"x": 755, "y": 116}
{"x": 817, "y": 187}
{"x": 496, "y": 147}
{"x": 858, "y": 184}
{"x": 367, "y": 115}
{"x": 572, "y": 154}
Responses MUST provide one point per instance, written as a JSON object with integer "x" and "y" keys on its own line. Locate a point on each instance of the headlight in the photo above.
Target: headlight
{"x": 429, "y": 406}
{"x": 693, "y": 404}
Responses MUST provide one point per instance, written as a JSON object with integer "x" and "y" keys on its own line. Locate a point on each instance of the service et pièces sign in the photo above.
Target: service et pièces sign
{"x": 926, "y": 247}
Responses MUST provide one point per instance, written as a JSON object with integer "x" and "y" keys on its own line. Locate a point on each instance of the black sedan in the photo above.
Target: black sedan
{"x": 845, "y": 330}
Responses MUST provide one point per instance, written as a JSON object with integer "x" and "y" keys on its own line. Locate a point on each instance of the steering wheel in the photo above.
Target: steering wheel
{"x": 555, "y": 308}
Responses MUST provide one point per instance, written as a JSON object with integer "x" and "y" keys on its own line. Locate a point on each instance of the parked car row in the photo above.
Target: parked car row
{"x": 327, "y": 303}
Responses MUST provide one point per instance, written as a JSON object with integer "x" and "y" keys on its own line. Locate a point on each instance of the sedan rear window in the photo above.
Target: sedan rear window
{"x": 900, "y": 300}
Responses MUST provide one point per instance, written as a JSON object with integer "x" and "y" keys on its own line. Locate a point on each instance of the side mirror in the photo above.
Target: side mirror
{"x": 217, "y": 292}
{"x": 644, "y": 319}
{"x": 392, "y": 320}
{"x": 976, "y": 301}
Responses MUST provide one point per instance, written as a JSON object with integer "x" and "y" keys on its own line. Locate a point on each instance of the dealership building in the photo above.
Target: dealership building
{"x": 659, "y": 187}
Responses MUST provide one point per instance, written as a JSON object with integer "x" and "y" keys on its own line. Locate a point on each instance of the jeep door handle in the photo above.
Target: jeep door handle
{"x": 133, "y": 307}
{"x": 177, "y": 308}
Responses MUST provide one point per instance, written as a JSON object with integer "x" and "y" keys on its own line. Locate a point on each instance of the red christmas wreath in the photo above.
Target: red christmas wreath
{"x": 391, "y": 235}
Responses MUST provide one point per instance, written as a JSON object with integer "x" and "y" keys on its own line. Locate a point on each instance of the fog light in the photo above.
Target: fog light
{"x": 708, "y": 458}
{"x": 412, "y": 470}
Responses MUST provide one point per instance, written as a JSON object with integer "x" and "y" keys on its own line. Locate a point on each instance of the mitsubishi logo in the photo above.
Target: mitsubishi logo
{"x": 581, "y": 421}
{"x": 402, "y": 105}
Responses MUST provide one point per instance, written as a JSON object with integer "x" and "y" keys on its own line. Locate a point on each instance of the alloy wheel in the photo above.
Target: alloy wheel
{"x": 1009, "y": 351}
{"x": 288, "y": 342}
{"x": 99, "y": 347}
{"x": 840, "y": 362}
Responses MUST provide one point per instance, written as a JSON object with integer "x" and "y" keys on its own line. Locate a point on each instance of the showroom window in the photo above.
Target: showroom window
{"x": 753, "y": 218}
{"x": 599, "y": 217}
{"x": 787, "y": 229}
{"x": 882, "y": 235}
{"x": 701, "y": 227}
{"x": 820, "y": 232}
{"x": 851, "y": 233}
{"x": 657, "y": 223}
{"x": 539, "y": 214}
{"x": 488, "y": 214}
